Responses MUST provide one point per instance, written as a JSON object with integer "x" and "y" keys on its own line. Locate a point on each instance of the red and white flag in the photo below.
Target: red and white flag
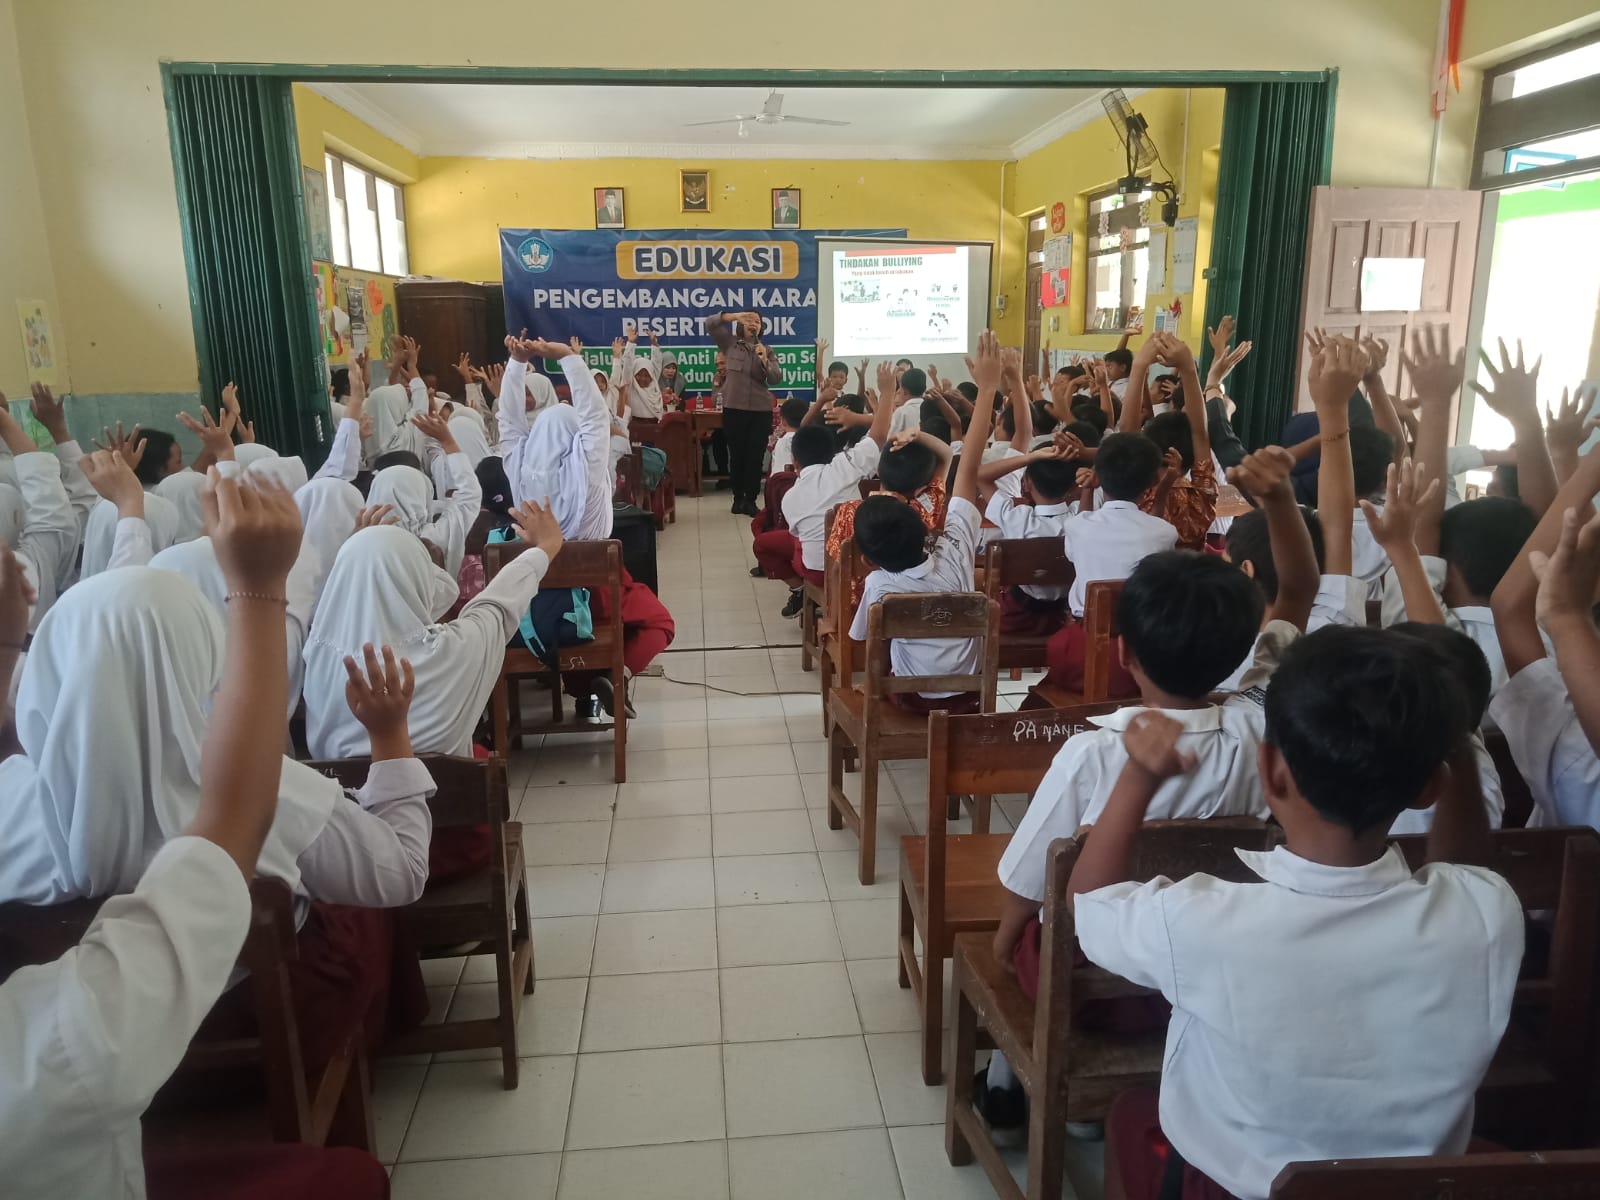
{"x": 1447, "y": 54}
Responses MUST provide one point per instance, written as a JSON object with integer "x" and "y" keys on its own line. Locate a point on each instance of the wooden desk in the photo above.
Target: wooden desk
{"x": 703, "y": 422}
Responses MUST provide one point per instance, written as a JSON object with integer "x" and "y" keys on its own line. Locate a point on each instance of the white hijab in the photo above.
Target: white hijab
{"x": 382, "y": 590}
{"x": 643, "y": 398}
{"x": 549, "y": 464}
{"x": 100, "y": 533}
{"x": 13, "y": 513}
{"x": 542, "y": 390}
{"x": 8, "y": 470}
{"x": 290, "y": 473}
{"x": 184, "y": 489}
{"x": 411, "y": 493}
{"x": 390, "y": 406}
{"x": 467, "y": 428}
{"x": 328, "y": 511}
{"x": 111, "y": 715}
{"x": 248, "y": 453}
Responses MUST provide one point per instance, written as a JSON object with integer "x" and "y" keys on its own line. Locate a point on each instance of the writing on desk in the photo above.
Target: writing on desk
{"x": 1045, "y": 731}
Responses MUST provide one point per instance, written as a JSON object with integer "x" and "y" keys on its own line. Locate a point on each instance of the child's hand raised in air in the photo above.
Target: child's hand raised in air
{"x": 255, "y": 531}
{"x": 537, "y": 526}
{"x": 1151, "y": 741}
{"x": 1568, "y": 578}
{"x": 380, "y": 698}
{"x": 904, "y": 438}
{"x": 987, "y": 365}
{"x": 377, "y": 514}
{"x": 1515, "y": 391}
{"x": 216, "y": 438}
{"x": 109, "y": 474}
{"x": 436, "y": 425}
{"x": 1264, "y": 474}
{"x": 1403, "y": 500}
{"x": 1336, "y": 368}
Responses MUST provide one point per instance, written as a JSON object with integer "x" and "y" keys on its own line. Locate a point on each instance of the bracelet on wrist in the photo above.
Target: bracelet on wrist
{"x": 1330, "y": 439}
{"x": 262, "y": 597}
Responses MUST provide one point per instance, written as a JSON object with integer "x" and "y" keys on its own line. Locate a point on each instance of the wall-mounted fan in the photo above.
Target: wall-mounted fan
{"x": 771, "y": 114}
{"x": 1141, "y": 152}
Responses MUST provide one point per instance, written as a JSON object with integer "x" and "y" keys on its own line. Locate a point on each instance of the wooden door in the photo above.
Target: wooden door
{"x": 1349, "y": 225}
{"x": 1031, "y": 336}
{"x": 447, "y": 318}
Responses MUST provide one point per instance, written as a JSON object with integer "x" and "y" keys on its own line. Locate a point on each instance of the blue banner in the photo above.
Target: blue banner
{"x": 600, "y": 284}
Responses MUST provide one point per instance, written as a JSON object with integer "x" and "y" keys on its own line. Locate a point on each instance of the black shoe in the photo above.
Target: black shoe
{"x": 1004, "y": 1110}
{"x": 738, "y": 507}
{"x": 724, "y": 485}
{"x": 797, "y": 601}
{"x": 757, "y": 572}
{"x": 588, "y": 709}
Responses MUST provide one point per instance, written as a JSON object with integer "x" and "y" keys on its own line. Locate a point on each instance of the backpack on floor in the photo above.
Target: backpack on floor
{"x": 654, "y": 464}
{"x": 557, "y": 617}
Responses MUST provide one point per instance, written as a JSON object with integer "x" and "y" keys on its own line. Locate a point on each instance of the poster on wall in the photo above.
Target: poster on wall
{"x": 39, "y": 343}
{"x": 1185, "y": 237}
{"x": 1055, "y": 287}
{"x": 314, "y": 186}
{"x": 598, "y": 285}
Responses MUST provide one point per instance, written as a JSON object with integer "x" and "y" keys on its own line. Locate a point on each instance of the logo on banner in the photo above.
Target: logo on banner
{"x": 535, "y": 254}
{"x": 707, "y": 260}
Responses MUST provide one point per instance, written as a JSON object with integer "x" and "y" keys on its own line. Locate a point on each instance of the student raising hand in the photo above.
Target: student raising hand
{"x": 536, "y": 525}
{"x": 255, "y": 531}
{"x": 113, "y": 479}
{"x": 1406, "y": 500}
{"x": 380, "y": 698}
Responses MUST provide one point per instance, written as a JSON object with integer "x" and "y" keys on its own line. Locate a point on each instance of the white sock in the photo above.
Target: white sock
{"x": 1000, "y": 1075}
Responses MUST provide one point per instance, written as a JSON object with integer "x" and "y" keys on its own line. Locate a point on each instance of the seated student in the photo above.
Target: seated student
{"x": 1118, "y": 366}
{"x": 41, "y": 516}
{"x": 1188, "y": 502}
{"x": 162, "y": 456}
{"x": 792, "y": 414}
{"x": 827, "y": 479}
{"x": 561, "y": 459}
{"x": 1049, "y": 478}
{"x": 894, "y": 542}
{"x": 904, "y": 395}
{"x": 912, "y": 469}
{"x": 89, "y": 1038}
{"x": 1107, "y": 544}
{"x": 1346, "y": 1007}
{"x": 1549, "y": 708}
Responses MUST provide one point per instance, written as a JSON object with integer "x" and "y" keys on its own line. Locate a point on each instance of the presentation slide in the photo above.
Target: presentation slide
{"x": 911, "y": 303}
{"x": 889, "y": 298}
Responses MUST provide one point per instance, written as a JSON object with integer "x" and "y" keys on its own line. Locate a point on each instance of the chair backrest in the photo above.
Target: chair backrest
{"x": 778, "y": 485}
{"x": 1031, "y": 562}
{"x": 1554, "y": 870}
{"x": 1175, "y": 849}
{"x": 1099, "y": 619}
{"x": 630, "y": 478}
{"x": 1569, "y": 1174}
{"x": 869, "y": 486}
{"x": 592, "y": 565}
{"x": 933, "y": 615}
{"x": 644, "y": 432}
{"x": 469, "y": 791}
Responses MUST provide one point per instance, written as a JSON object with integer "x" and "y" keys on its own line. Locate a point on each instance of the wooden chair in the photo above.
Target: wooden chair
{"x": 485, "y": 912}
{"x": 949, "y": 883}
{"x": 1069, "y": 1074}
{"x": 630, "y": 482}
{"x": 598, "y": 567}
{"x": 878, "y": 729}
{"x": 1099, "y": 619}
{"x": 1574, "y": 1174}
{"x": 1540, "y": 1087}
{"x": 812, "y": 604}
{"x": 332, "y": 1108}
{"x": 673, "y": 436}
{"x": 837, "y": 653}
{"x": 661, "y": 501}
{"x": 1035, "y": 562}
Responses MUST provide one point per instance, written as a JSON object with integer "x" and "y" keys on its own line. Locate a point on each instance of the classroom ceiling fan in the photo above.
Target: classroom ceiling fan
{"x": 1134, "y": 133}
{"x": 771, "y": 114}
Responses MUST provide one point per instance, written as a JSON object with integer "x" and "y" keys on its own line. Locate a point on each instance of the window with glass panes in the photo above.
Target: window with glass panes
{"x": 1119, "y": 261}
{"x": 367, "y": 215}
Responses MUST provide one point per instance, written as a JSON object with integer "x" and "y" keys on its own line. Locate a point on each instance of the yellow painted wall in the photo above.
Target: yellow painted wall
{"x": 25, "y": 269}
{"x": 457, "y": 206}
{"x": 1090, "y": 159}
{"x": 91, "y": 82}
{"x": 323, "y": 125}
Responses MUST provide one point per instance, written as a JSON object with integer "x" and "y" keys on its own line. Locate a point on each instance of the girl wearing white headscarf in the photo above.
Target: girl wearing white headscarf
{"x": 563, "y": 457}
{"x": 46, "y": 536}
{"x": 443, "y": 522}
{"x": 380, "y": 592}
{"x": 328, "y": 512}
{"x": 392, "y": 407}
{"x": 247, "y": 454}
{"x": 289, "y": 473}
{"x": 467, "y": 430}
{"x": 183, "y": 489}
{"x": 106, "y": 540}
{"x": 644, "y": 388}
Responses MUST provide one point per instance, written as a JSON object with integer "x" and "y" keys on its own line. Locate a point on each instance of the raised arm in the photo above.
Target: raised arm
{"x": 1514, "y": 597}
{"x": 512, "y": 407}
{"x": 987, "y": 377}
{"x": 1514, "y": 395}
{"x": 1336, "y": 367}
{"x": 1566, "y": 428}
{"x": 1265, "y": 475}
{"x": 1568, "y": 579}
{"x": 1175, "y": 352}
{"x": 1133, "y": 394}
{"x": 717, "y": 328}
{"x": 1384, "y": 412}
{"x": 878, "y": 431}
{"x": 1436, "y": 374}
{"x": 1405, "y": 501}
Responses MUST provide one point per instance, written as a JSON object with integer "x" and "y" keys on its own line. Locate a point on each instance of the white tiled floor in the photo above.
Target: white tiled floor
{"x": 717, "y": 1013}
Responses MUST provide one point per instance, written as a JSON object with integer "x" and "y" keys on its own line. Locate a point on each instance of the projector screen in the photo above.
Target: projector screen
{"x": 897, "y": 298}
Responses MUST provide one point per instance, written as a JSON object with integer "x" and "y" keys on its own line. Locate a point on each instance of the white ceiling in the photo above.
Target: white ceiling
{"x": 580, "y": 121}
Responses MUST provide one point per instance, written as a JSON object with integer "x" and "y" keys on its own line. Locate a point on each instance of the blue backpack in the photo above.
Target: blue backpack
{"x": 557, "y": 617}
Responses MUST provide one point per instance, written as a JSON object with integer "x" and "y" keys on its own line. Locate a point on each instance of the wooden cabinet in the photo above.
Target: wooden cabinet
{"x": 447, "y": 317}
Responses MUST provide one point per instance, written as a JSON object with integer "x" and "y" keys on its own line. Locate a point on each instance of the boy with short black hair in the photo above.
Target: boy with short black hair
{"x": 1119, "y": 363}
{"x": 1107, "y": 544}
{"x": 905, "y": 398}
{"x": 1415, "y": 971}
{"x": 894, "y": 541}
{"x": 792, "y": 413}
{"x": 1049, "y": 478}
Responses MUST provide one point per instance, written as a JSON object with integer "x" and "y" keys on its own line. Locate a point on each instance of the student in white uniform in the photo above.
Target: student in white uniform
{"x": 89, "y": 1038}
{"x": 1049, "y": 476}
{"x": 1549, "y": 709}
{"x": 644, "y": 391}
{"x": 128, "y": 524}
{"x": 379, "y": 592}
{"x": 442, "y": 522}
{"x": 904, "y": 395}
{"x": 331, "y": 510}
{"x": 1414, "y": 970}
{"x": 47, "y": 545}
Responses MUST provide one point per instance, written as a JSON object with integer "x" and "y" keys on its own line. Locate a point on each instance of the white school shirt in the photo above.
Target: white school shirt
{"x": 344, "y": 456}
{"x": 1224, "y": 783}
{"x": 1340, "y": 600}
{"x": 1329, "y": 1012}
{"x": 783, "y": 453}
{"x": 1039, "y": 521}
{"x": 820, "y": 487}
{"x": 1109, "y": 543}
{"x": 1369, "y": 561}
{"x": 48, "y": 545}
{"x": 1420, "y": 820}
{"x": 86, "y": 1041}
{"x": 1547, "y": 743}
{"x": 1458, "y": 461}
{"x": 1474, "y": 620}
{"x": 905, "y": 418}
{"x": 949, "y": 568}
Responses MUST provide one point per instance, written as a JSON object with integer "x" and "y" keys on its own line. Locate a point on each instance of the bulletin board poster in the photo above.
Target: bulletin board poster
{"x": 39, "y": 349}
{"x": 600, "y": 284}
{"x": 356, "y": 312}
